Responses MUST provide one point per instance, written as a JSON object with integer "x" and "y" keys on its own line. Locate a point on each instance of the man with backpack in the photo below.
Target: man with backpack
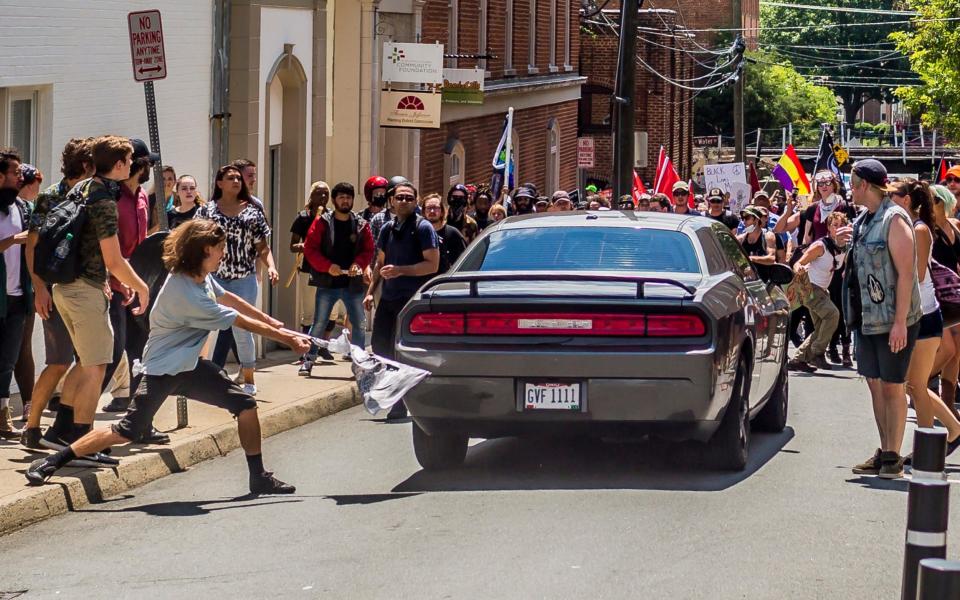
{"x": 338, "y": 247}
{"x": 77, "y": 265}
{"x": 408, "y": 255}
{"x": 15, "y": 292}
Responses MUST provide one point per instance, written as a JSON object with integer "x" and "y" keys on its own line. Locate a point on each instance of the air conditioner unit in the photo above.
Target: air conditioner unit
{"x": 639, "y": 149}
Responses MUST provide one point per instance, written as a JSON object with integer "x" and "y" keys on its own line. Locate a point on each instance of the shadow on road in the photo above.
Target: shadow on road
{"x": 194, "y": 508}
{"x": 584, "y": 463}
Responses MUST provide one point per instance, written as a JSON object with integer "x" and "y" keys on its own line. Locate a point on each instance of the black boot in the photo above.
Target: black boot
{"x": 834, "y": 355}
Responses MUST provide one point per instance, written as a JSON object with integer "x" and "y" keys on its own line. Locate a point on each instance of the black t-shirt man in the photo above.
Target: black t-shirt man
{"x": 727, "y": 218}
{"x": 452, "y": 245}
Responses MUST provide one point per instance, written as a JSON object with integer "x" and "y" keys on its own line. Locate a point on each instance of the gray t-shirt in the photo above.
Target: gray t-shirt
{"x": 184, "y": 313}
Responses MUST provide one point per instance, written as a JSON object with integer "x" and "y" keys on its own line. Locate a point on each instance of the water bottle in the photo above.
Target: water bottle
{"x": 60, "y": 253}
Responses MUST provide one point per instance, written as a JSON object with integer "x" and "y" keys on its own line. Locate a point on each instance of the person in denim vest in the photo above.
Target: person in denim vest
{"x": 881, "y": 295}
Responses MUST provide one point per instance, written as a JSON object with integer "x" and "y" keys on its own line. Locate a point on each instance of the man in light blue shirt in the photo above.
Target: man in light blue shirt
{"x": 189, "y": 306}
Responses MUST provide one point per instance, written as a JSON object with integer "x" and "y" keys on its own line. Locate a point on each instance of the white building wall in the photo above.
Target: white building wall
{"x": 76, "y": 52}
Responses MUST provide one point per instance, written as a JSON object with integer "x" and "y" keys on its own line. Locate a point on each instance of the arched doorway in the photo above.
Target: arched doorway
{"x": 283, "y": 174}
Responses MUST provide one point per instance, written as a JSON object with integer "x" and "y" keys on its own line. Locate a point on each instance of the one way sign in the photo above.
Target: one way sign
{"x": 146, "y": 45}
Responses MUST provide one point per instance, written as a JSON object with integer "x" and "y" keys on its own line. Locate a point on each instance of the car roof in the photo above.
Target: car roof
{"x": 605, "y": 218}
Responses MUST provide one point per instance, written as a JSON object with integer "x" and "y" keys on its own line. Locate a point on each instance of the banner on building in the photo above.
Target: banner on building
{"x": 463, "y": 86}
{"x": 412, "y": 63}
{"x": 410, "y": 109}
{"x": 723, "y": 175}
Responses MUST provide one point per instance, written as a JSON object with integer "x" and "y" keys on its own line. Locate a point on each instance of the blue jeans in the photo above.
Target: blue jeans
{"x": 247, "y": 289}
{"x": 326, "y": 298}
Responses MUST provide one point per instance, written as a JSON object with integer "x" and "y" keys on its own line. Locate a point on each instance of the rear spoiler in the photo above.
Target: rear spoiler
{"x": 475, "y": 278}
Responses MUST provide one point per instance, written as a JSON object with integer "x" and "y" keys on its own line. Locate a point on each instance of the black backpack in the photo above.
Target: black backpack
{"x": 56, "y": 257}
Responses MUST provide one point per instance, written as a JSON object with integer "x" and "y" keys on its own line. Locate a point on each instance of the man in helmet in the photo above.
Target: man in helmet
{"x": 457, "y": 216}
{"x": 375, "y": 191}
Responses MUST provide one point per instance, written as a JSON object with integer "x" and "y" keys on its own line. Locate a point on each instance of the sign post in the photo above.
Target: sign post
{"x": 150, "y": 63}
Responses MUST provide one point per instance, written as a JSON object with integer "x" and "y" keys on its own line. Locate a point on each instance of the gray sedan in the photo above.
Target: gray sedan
{"x": 598, "y": 323}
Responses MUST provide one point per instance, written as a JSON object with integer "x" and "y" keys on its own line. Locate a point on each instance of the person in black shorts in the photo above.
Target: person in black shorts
{"x": 190, "y": 305}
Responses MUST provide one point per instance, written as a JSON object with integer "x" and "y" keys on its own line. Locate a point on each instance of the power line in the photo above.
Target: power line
{"x": 846, "y": 9}
{"x": 829, "y": 25}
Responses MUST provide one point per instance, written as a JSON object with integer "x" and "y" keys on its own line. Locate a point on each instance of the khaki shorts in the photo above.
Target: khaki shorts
{"x": 84, "y": 309}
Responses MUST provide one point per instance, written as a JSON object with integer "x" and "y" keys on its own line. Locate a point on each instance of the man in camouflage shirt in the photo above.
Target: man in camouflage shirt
{"x": 83, "y": 303}
{"x": 76, "y": 165}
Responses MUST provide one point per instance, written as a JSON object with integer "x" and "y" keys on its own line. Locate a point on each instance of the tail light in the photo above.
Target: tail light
{"x": 437, "y": 324}
{"x": 558, "y": 324}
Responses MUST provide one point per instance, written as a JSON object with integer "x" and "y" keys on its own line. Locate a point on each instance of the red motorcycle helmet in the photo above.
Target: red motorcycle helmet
{"x": 373, "y": 183}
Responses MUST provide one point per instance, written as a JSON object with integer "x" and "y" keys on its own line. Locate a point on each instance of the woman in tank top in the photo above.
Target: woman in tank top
{"x": 916, "y": 198}
{"x": 946, "y": 250}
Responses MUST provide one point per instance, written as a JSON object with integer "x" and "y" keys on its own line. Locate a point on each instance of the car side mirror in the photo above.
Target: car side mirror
{"x": 779, "y": 274}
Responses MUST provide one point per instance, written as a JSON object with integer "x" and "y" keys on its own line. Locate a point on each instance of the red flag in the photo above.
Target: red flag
{"x": 638, "y": 187}
{"x": 942, "y": 174}
{"x": 754, "y": 180}
{"x": 666, "y": 175}
{"x": 691, "y": 201}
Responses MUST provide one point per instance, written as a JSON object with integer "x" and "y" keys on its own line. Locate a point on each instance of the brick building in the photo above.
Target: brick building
{"x": 663, "y": 112}
{"x": 535, "y": 45}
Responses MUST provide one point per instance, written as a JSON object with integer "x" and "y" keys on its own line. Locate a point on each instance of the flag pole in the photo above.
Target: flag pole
{"x": 823, "y": 134}
{"x": 509, "y": 151}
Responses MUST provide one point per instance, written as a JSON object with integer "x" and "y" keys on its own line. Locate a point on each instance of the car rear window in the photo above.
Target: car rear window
{"x": 583, "y": 249}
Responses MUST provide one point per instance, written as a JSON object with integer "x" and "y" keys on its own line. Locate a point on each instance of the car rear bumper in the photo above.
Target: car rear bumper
{"x": 676, "y": 408}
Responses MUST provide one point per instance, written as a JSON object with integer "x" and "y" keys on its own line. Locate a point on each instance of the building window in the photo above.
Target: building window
{"x": 594, "y": 110}
{"x": 552, "y": 58}
{"x": 454, "y": 163}
{"x": 22, "y": 123}
{"x": 482, "y": 35}
{"x": 567, "y": 66}
{"x": 553, "y": 158}
{"x": 452, "y": 20}
{"x": 508, "y": 42}
{"x": 532, "y": 43}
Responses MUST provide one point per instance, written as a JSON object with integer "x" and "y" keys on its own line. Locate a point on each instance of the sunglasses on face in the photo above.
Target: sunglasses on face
{"x": 824, "y": 182}
{"x": 715, "y": 201}
{"x": 405, "y": 198}
{"x": 951, "y": 180}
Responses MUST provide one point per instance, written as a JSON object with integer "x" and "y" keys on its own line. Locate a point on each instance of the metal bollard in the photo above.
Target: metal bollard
{"x": 181, "y": 412}
{"x": 929, "y": 454}
{"x": 939, "y": 579}
{"x": 928, "y": 506}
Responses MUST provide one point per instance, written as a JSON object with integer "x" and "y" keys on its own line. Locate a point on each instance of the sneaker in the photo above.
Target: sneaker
{"x": 249, "y": 388}
{"x": 95, "y": 460}
{"x": 834, "y": 355}
{"x": 305, "y": 368}
{"x": 52, "y": 441}
{"x": 118, "y": 404}
{"x": 266, "y": 483}
{"x": 324, "y": 354}
{"x": 800, "y": 365}
{"x": 871, "y": 466}
{"x": 40, "y": 471}
{"x": 31, "y": 438}
{"x": 891, "y": 466}
{"x": 7, "y": 430}
{"x": 820, "y": 362}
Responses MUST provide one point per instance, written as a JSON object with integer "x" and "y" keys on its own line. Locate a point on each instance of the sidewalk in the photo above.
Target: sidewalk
{"x": 286, "y": 401}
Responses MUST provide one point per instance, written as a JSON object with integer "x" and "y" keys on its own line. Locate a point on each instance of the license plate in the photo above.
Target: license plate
{"x": 551, "y": 396}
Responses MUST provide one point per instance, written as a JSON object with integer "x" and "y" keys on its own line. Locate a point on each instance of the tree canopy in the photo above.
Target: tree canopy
{"x": 858, "y": 62}
{"x": 774, "y": 94}
{"x": 934, "y": 51}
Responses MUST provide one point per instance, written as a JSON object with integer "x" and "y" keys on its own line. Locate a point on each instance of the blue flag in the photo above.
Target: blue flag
{"x": 501, "y": 170}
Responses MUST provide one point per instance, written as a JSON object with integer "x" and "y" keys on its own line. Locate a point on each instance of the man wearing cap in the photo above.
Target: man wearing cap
{"x": 882, "y": 307}
{"x": 561, "y": 201}
{"x": 718, "y": 212}
{"x": 952, "y": 181}
{"x": 681, "y": 200}
{"x": 758, "y": 243}
{"x": 523, "y": 199}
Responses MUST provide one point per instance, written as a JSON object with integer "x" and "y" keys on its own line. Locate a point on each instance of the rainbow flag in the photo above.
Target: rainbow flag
{"x": 789, "y": 172}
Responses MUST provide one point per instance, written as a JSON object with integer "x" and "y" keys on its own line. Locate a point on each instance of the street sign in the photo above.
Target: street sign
{"x": 585, "y": 153}
{"x": 146, "y": 45}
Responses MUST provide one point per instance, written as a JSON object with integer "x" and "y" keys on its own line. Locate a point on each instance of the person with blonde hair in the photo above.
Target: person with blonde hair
{"x": 186, "y": 201}
{"x": 497, "y": 213}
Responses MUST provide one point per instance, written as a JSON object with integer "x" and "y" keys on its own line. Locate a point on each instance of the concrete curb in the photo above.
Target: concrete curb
{"x": 81, "y": 487}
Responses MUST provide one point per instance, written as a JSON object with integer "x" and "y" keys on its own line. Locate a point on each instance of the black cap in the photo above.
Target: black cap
{"x": 140, "y": 150}
{"x": 872, "y": 171}
{"x": 525, "y": 192}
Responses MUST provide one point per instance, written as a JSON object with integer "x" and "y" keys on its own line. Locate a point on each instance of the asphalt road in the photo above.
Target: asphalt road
{"x": 521, "y": 519}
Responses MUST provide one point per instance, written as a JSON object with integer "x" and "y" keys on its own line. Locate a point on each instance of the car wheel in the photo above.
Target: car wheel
{"x": 438, "y": 451}
{"x": 728, "y": 447}
{"x": 773, "y": 416}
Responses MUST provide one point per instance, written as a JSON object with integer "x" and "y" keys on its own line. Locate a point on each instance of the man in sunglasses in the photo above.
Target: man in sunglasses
{"x": 952, "y": 181}
{"x": 681, "y": 200}
{"x": 717, "y": 211}
{"x": 408, "y": 255}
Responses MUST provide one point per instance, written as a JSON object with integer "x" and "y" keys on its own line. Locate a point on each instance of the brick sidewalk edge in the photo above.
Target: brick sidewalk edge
{"x": 90, "y": 486}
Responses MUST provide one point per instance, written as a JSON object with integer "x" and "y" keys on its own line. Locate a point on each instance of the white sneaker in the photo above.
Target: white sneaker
{"x": 249, "y": 388}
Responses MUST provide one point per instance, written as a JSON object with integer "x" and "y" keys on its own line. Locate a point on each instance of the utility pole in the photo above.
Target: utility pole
{"x": 623, "y": 101}
{"x": 739, "y": 142}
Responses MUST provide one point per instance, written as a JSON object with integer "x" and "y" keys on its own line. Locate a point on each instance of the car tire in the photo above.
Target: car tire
{"x": 729, "y": 445}
{"x": 773, "y": 416}
{"x": 438, "y": 451}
